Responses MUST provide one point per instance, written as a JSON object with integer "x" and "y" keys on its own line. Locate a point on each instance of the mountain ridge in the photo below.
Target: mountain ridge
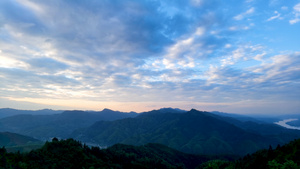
{"x": 188, "y": 131}
{"x": 8, "y": 112}
{"x": 192, "y": 132}
{"x": 60, "y": 125}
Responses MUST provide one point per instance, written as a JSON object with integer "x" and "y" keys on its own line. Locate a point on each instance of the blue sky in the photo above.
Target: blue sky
{"x": 233, "y": 56}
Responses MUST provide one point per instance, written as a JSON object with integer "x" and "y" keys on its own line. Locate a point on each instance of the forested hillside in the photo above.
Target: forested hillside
{"x": 72, "y": 154}
{"x": 194, "y": 132}
{"x": 283, "y": 157}
{"x": 16, "y": 142}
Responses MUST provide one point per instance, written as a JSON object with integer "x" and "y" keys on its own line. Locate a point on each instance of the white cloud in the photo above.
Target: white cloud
{"x": 179, "y": 47}
{"x": 228, "y": 45}
{"x": 250, "y": 11}
{"x": 295, "y": 20}
{"x": 278, "y": 69}
{"x": 245, "y": 14}
{"x": 260, "y": 56}
{"x": 7, "y": 62}
{"x": 197, "y": 2}
{"x": 284, "y": 8}
{"x": 238, "y": 28}
{"x": 239, "y": 17}
{"x": 297, "y": 8}
{"x": 233, "y": 28}
{"x": 296, "y": 12}
{"x": 186, "y": 44}
{"x": 33, "y": 6}
{"x": 168, "y": 64}
{"x": 235, "y": 56}
{"x": 274, "y": 17}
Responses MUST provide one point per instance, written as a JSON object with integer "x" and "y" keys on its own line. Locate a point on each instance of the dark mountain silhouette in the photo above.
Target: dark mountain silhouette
{"x": 12, "y": 139}
{"x": 192, "y": 132}
{"x": 166, "y": 110}
{"x": 239, "y": 117}
{"x": 15, "y": 142}
{"x": 188, "y": 131}
{"x": 60, "y": 125}
{"x": 7, "y": 112}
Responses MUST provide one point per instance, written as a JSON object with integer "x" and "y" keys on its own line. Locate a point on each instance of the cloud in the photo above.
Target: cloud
{"x": 173, "y": 52}
{"x": 296, "y": 12}
{"x": 245, "y": 14}
{"x": 242, "y": 53}
{"x": 282, "y": 69}
{"x": 274, "y": 17}
{"x": 197, "y": 2}
{"x": 244, "y": 82}
{"x": 46, "y": 65}
{"x": 249, "y": 1}
{"x": 284, "y": 8}
{"x": 23, "y": 83}
{"x": 90, "y": 33}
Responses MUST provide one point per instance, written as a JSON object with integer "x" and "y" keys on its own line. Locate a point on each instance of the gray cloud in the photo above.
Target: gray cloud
{"x": 46, "y": 65}
{"x": 21, "y": 83}
{"x": 141, "y": 51}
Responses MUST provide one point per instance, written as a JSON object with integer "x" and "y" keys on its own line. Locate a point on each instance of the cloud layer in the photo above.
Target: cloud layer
{"x": 139, "y": 55}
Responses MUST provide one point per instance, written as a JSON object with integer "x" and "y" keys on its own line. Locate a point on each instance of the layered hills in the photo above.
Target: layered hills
{"x": 7, "y": 112}
{"x": 45, "y": 127}
{"x": 193, "y": 131}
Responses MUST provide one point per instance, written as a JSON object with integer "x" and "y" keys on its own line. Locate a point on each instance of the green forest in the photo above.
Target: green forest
{"x": 70, "y": 153}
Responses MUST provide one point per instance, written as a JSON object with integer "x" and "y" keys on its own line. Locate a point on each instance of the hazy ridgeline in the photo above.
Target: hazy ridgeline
{"x": 213, "y": 135}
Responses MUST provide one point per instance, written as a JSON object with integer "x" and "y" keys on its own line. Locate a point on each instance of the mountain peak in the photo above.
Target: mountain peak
{"x": 170, "y": 109}
{"x": 107, "y": 109}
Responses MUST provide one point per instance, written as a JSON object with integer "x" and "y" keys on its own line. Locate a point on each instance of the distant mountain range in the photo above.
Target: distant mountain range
{"x": 45, "y": 127}
{"x": 7, "y": 112}
{"x": 191, "y": 131}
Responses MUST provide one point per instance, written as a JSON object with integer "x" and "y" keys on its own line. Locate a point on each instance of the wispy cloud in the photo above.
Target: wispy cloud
{"x": 187, "y": 53}
{"x": 296, "y": 12}
{"x": 275, "y": 16}
{"x": 245, "y": 14}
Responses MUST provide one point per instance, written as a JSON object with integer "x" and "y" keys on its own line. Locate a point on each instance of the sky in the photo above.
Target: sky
{"x": 235, "y": 56}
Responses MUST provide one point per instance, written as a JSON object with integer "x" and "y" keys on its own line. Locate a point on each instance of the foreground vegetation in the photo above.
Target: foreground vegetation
{"x": 285, "y": 157}
{"x": 72, "y": 154}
